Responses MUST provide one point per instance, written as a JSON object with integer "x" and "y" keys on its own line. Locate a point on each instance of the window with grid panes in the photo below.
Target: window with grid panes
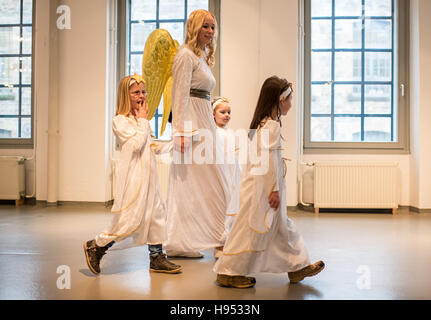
{"x": 144, "y": 16}
{"x": 16, "y": 25}
{"x": 355, "y": 74}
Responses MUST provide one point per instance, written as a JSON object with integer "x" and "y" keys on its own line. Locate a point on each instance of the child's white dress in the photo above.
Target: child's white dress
{"x": 234, "y": 173}
{"x": 138, "y": 207}
{"x": 263, "y": 239}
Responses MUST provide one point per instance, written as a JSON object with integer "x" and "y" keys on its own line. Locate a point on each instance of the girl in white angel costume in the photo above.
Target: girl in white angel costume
{"x": 263, "y": 238}
{"x": 198, "y": 191}
{"x": 138, "y": 207}
{"x": 222, "y": 115}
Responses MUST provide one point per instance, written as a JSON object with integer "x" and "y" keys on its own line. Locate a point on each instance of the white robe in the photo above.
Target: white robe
{"x": 138, "y": 207}
{"x": 234, "y": 175}
{"x": 198, "y": 193}
{"x": 263, "y": 239}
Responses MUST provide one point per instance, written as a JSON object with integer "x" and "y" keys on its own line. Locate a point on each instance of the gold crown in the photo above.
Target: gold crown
{"x": 137, "y": 78}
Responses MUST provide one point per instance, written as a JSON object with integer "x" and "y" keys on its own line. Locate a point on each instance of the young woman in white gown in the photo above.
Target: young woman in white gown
{"x": 198, "y": 190}
{"x": 263, "y": 238}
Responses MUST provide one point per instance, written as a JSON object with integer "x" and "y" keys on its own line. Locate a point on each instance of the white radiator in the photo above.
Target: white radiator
{"x": 12, "y": 178}
{"x": 370, "y": 185}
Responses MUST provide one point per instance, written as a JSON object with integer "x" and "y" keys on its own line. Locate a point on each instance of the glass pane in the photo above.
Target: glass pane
{"x": 348, "y": 66}
{"x": 26, "y": 128}
{"x": 26, "y": 70}
{"x": 176, "y": 29}
{"x": 26, "y": 101}
{"x": 321, "y": 8}
{"x": 27, "y": 40}
{"x": 347, "y": 129}
{"x": 171, "y": 9}
{"x": 9, "y": 70}
{"x": 377, "y": 129}
{"x": 321, "y": 66}
{"x": 139, "y": 35}
{"x": 167, "y": 134}
{"x": 136, "y": 64}
{"x": 9, "y": 39}
{"x": 320, "y": 99}
{"x": 348, "y": 8}
{"x": 378, "y": 34}
{"x": 379, "y": 8}
{"x": 320, "y": 129}
{"x": 193, "y": 5}
{"x": 348, "y": 34}
{"x": 378, "y": 66}
{"x": 28, "y": 12}
{"x": 153, "y": 126}
{"x": 9, "y": 102}
{"x": 378, "y": 99}
{"x": 321, "y": 35}
{"x": 347, "y": 99}
{"x": 143, "y": 10}
{"x": 10, "y": 12}
{"x": 8, "y": 127}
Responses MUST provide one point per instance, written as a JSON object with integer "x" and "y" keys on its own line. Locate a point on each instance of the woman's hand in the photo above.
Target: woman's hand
{"x": 142, "y": 111}
{"x": 274, "y": 200}
{"x": 181, "y": 143}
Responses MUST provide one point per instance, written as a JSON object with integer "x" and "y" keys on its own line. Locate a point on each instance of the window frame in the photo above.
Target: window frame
{"x": 124, "y": 51}
{"x": 401, "y": 47}
{"x": 22, "y": 143}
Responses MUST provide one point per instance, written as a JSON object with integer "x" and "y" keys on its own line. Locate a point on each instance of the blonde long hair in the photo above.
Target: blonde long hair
{"x": 193, "y": 26}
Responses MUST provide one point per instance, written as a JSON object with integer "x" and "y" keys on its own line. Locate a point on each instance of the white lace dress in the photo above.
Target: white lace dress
{"x": 198, "y": 192}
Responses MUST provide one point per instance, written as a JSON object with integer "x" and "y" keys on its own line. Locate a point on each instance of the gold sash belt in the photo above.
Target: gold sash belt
{"x": 198, "y": 93}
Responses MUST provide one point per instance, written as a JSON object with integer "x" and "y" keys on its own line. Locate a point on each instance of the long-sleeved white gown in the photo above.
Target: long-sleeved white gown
{"x": 263, "y": 239}
{"x": 198, "y": 193}
{"x": 140, "y": 212}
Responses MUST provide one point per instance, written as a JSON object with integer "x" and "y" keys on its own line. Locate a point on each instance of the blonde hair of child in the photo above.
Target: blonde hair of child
{"x": 193, "y": 26}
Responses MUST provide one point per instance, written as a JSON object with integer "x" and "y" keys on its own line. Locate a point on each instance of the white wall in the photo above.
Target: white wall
{"x": 80, "y": 96}
{"x": 420, "y": 104}
{"x": 258, "y": 39}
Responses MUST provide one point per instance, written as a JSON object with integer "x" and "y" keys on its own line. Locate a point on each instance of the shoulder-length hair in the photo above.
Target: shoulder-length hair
{"x": 269, "y": 99}
{"x": 123, "y": 100}
{"x": 193, "y": 26}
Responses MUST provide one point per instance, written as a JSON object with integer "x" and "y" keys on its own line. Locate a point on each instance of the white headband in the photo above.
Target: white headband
{"x": 286, "y": 93}
{"x": 132, "y": 82}
{"x": 217, "y": 102}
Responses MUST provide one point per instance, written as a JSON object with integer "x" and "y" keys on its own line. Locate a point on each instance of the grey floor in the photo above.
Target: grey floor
{"x": 367, "y": 256}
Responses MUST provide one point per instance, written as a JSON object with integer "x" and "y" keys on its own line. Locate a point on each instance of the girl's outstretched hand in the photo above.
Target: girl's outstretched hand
{"x": 274, "y": 200}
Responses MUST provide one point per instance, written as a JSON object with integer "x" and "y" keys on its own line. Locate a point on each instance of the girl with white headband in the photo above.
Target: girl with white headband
{"x": 222, "y": 115}
{"x": 263, "y": 238}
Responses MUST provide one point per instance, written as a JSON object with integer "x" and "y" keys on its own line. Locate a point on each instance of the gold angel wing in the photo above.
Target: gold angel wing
{"x": 158, "y": 58}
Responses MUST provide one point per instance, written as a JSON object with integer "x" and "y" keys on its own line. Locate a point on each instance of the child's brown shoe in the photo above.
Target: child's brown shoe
{"x": 240, "y": 282}
{"x": 308, "y": 271}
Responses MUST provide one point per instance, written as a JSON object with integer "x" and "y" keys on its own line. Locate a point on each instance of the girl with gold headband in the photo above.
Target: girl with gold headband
{"x": 139, "y": 209}
{"x": 222, "y": 115}
{"x": 198, "y": 192}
